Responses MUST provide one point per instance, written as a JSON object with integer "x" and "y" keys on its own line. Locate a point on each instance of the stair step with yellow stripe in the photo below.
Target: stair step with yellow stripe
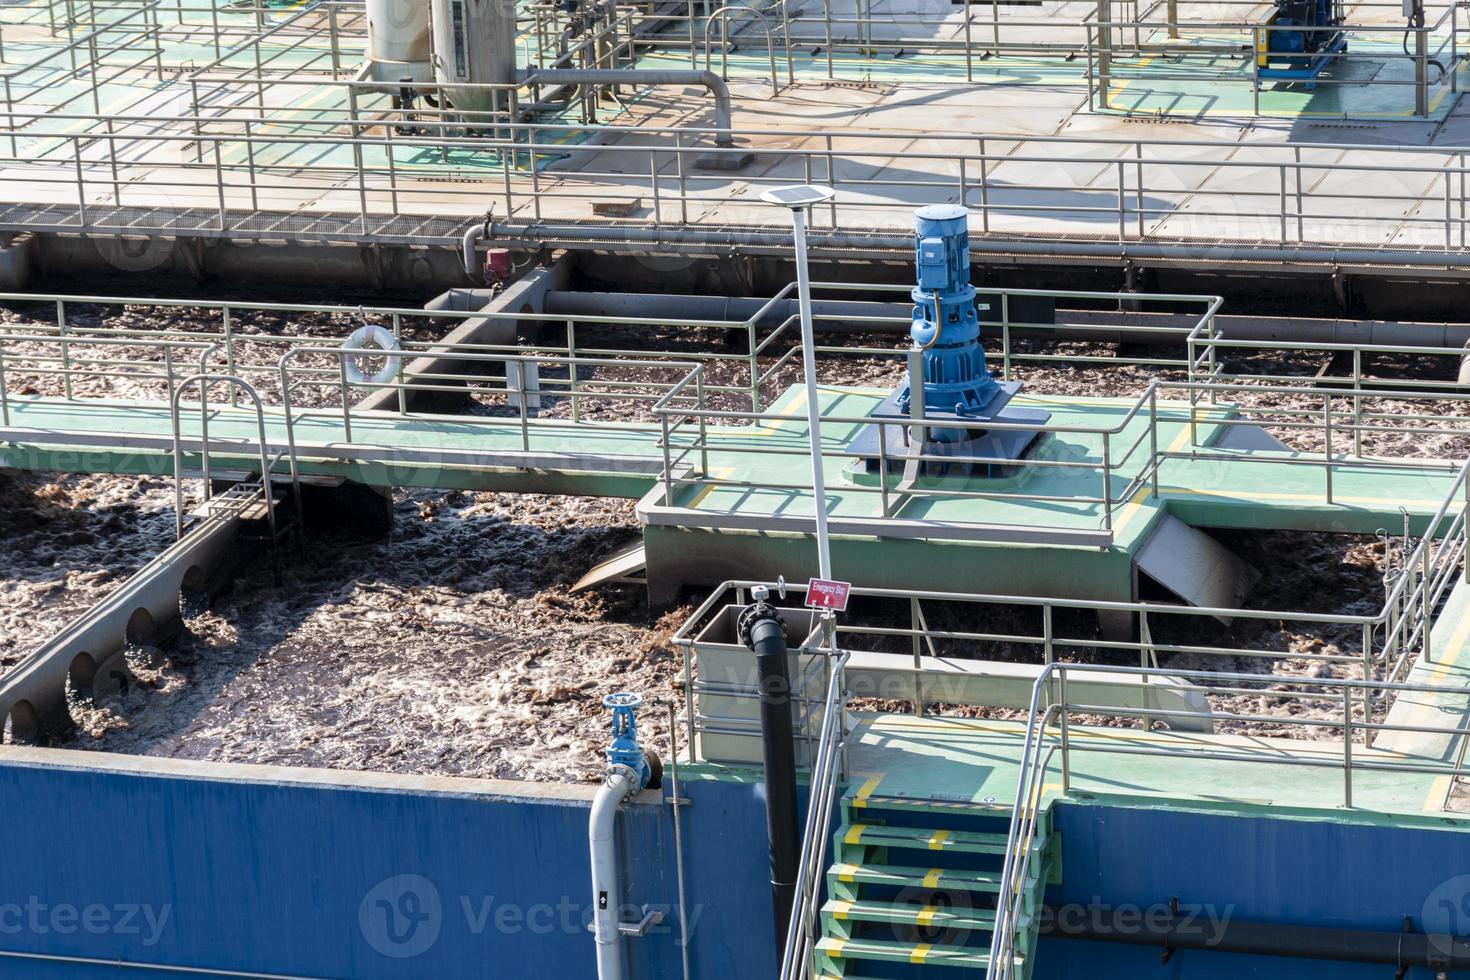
{"x": 866, "y": 798}
{"x": 922, "y": 838}
{"x": 898, "y": 952}
{"x": 910, "y": 914}
{"x": 880, "y": 874}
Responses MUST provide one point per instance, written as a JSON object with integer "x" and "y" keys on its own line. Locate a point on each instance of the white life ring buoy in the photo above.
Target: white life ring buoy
{"x": 366, "y": 339}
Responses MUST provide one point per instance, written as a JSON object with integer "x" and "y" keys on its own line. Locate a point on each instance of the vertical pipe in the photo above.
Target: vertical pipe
{"x": 603, "y": 844}
{"x": 678, "y": 802}
{"x": 764, "y": 632}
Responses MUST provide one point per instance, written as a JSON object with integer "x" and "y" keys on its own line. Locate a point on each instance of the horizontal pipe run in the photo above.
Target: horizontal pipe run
{"x": 858, "y": 316}
{"x": 646, "y": 76}
{"x": 543, "y": 234}
{"x": 1440, "y": 952}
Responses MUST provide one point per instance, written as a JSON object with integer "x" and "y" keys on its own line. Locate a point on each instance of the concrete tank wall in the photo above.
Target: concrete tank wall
{"x": 1253, "y": 867}
{"x": 332, "y": 874}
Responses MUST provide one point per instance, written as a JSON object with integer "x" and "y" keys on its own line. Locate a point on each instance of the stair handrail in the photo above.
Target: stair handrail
{"x": 1030, "y": 788}
{"x": 204, "y": 379}
{"x": 801, "y": 930}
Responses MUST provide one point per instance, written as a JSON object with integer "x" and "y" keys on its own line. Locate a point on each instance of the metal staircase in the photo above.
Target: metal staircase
{"x": 914, "y": 887}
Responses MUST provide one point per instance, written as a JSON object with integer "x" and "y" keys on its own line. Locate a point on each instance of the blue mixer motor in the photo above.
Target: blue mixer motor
{"x": 957, "y": 385}
{"x": 945, "y": 326}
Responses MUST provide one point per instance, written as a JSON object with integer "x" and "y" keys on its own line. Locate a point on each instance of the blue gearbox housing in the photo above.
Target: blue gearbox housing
{"x": 968, "y": 428}
{"x": 945, "y": 325}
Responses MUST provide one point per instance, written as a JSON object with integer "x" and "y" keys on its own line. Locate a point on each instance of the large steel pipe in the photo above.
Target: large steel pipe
{"x": 1402, "y": 949}
{"x": 644, "y": 76}
{"x": 856, "y": 316}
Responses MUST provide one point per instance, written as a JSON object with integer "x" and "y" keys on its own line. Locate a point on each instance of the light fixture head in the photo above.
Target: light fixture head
{"x": 797, "y": 196}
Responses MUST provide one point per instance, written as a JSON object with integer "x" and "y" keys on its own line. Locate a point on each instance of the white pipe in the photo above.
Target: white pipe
{"x": 470, "y": 236}
{"x": 617, "y": 787}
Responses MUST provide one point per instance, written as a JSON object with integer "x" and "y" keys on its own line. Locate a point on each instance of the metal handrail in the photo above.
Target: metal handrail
{"x": 1134, "y": 207}
{"x": 826, "y": 769}
{"x": 266, "y": 465}
{"x": 723, "y": 13}
{"x": 1022, "y": 831}
{"x": 1049, "y": 700}
{"x": 1146, "y": 404}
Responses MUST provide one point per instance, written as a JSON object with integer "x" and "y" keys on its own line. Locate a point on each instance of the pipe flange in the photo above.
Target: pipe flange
{"x": 761, "y": 612}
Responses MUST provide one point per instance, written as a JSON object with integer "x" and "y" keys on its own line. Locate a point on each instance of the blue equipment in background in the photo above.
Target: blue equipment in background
{"x": 1301, "y": 54}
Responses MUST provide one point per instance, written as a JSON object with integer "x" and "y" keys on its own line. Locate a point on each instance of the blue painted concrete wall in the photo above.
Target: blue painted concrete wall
{"x": 304, "y": 874}
{"x": 1250, "y": 868}
{"x": 298, "y": 877}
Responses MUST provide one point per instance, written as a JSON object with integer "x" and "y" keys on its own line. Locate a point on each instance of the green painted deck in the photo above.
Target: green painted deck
{"x": 966, "y": 762}
{"x": 1373, "y": 82}
{"x": 1247, "y": 489}
{"x": 1446, "y": 666}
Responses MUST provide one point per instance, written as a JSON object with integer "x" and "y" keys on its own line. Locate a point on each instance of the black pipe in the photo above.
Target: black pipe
{"x": 764, "y": 631}
{"x": 1181, "y": 929}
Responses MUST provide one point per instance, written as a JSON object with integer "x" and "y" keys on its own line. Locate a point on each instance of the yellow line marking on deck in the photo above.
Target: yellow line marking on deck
{"x": 1439, "y": 787}
{"x": 1135, "y": 503}
{"x": 718, "y": 473}
{"x": 920, "y": 953}
{"x": 926, "y": 915}
{"x": 931, "y": 880}
{"x": 937, "y": 841}
{"x": 866, "y": 790}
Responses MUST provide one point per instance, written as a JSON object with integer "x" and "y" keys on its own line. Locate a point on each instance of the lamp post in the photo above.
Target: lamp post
{"x": 799, "y": 199}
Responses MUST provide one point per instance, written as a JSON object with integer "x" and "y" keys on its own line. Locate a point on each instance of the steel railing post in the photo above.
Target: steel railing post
{"x": 1301, "y": 235}
{"x": 1122, "y": 203}
{"x": 398, "y": 371}
{"x": 1421, "y": 71}
{"x": 572, "y": 370}
{"x": 1357, "y": 401}
{"x": 1066, "y": 739}
{"x": 1327, "y": 439}
{"x": 219, "y": 182}
{"x": 76, "y": 147}
{"x": 703, "y": 430}
{"x": 1048, "y": 654}
{"x": 1138, "y": 192}
{"x": 346, "y": 399}
{"x": 1005, "y": 336}
{"x": 984, "y": 189}
{"x": 1347, "y": 745}
{"x": 1153, "y": 438}
{"x": 663, "y": 419}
